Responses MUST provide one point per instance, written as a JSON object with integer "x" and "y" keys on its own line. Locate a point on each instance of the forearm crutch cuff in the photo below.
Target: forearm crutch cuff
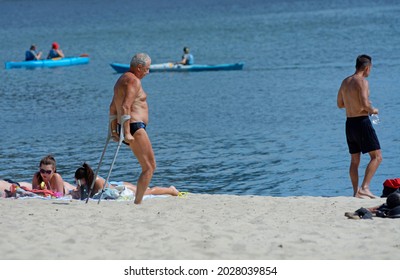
{"x": 124, "y": 118}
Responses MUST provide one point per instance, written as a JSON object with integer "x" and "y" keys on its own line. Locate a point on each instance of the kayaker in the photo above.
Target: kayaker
{"x": 187, "y": 58}
{"x": 31, "y": 54}
{"x": 55, "y": 51}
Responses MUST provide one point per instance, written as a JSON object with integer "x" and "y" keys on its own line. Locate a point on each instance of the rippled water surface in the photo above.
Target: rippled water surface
{"x": 271, "y": 129}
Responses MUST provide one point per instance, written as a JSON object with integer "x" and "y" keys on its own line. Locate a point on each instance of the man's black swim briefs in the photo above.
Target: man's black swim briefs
{"x": 135, "y": 126}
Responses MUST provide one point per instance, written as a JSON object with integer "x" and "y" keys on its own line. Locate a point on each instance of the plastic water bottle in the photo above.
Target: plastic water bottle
{"x": 375, "y": 119}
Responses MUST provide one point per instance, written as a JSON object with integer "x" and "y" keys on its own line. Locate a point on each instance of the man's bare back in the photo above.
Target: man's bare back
{"x": 354, "y": 97}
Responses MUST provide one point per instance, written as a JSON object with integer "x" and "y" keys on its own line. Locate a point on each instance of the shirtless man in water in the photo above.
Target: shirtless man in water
{"x": 353, "y": 95}
{"x": 129, "y": 108}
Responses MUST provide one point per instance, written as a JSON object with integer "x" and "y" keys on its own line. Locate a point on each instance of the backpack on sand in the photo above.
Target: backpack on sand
{"x": 390, "y": 186}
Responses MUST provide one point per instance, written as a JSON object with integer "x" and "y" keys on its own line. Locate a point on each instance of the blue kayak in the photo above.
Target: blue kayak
{"x": 171, "y": 67}
{"x": 66, "y": 61}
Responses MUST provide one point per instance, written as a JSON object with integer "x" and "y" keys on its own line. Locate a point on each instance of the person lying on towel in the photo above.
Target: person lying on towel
{"x": 84, "y": 177}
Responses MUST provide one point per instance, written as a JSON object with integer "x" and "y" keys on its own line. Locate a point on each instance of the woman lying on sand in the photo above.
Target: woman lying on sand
{"x": 84, "y": 178}
{"x": 44, "y": 182}
{"x": 47, "y": 177}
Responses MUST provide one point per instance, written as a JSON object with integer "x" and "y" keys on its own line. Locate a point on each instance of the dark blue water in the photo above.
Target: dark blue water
{"x": 270, "y": 129}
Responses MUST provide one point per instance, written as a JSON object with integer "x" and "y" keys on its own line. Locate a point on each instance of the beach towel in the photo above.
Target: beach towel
{"x": 115, "y": 194}
{"x": 17, "y": 191}
{"x": 107, "y": 193}
{"x": 44, "y": 193}
{"x": 21, "y": 191}
{"x": 120, "y": 193}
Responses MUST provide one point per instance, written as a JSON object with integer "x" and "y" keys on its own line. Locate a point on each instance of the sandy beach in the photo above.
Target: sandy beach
{"x": 196, "y": 227}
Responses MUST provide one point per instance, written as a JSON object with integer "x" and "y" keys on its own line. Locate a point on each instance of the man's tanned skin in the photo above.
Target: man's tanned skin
{"x": 353, "y": 95}
{"x": 130, "y": 100}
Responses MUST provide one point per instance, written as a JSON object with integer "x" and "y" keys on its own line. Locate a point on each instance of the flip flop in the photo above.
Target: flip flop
{"x": 182, "y": 194}
{"x": 361, "y": 213}
{"x": 352, "y": 215}
{"x": 364, "y": 213}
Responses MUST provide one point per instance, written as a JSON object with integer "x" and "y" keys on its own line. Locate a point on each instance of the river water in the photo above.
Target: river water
{"x": 271, "y": 129}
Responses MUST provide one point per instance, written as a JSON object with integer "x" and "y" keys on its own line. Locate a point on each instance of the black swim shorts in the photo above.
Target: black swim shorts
{"x": 134, "y": 127}
{"x": 361, "y": 136}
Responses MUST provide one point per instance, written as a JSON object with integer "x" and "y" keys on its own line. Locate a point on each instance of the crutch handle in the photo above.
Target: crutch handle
{"x": 123, "y": 119}
{"x": 111, "y": 119}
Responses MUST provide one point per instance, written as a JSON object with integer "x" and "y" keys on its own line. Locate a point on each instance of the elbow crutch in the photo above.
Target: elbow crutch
{"x": 112, "y": 118}
{"x": 124, "y": 118}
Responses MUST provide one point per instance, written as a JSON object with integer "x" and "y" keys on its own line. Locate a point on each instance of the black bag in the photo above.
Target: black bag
{"x": 390, "y": 186}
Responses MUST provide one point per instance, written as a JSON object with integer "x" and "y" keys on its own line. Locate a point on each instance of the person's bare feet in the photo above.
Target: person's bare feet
{"x": 364, "y": 193}
{"x": 174, "y": 191}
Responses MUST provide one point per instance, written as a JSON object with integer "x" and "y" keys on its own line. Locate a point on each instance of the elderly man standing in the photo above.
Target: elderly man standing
{"x": 353, "y": 95}
{"x": 129, "y": 108}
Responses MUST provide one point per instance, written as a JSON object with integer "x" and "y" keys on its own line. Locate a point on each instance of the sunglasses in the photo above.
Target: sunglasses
{"x": 46, "y": 171}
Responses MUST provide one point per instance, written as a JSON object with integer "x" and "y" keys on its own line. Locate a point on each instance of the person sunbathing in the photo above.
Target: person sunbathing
{"x": 47, "y": 178}
{"x": 84, "y": 177}
{"x": 13, "y": 189}
{"x": 390, "y": 209}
